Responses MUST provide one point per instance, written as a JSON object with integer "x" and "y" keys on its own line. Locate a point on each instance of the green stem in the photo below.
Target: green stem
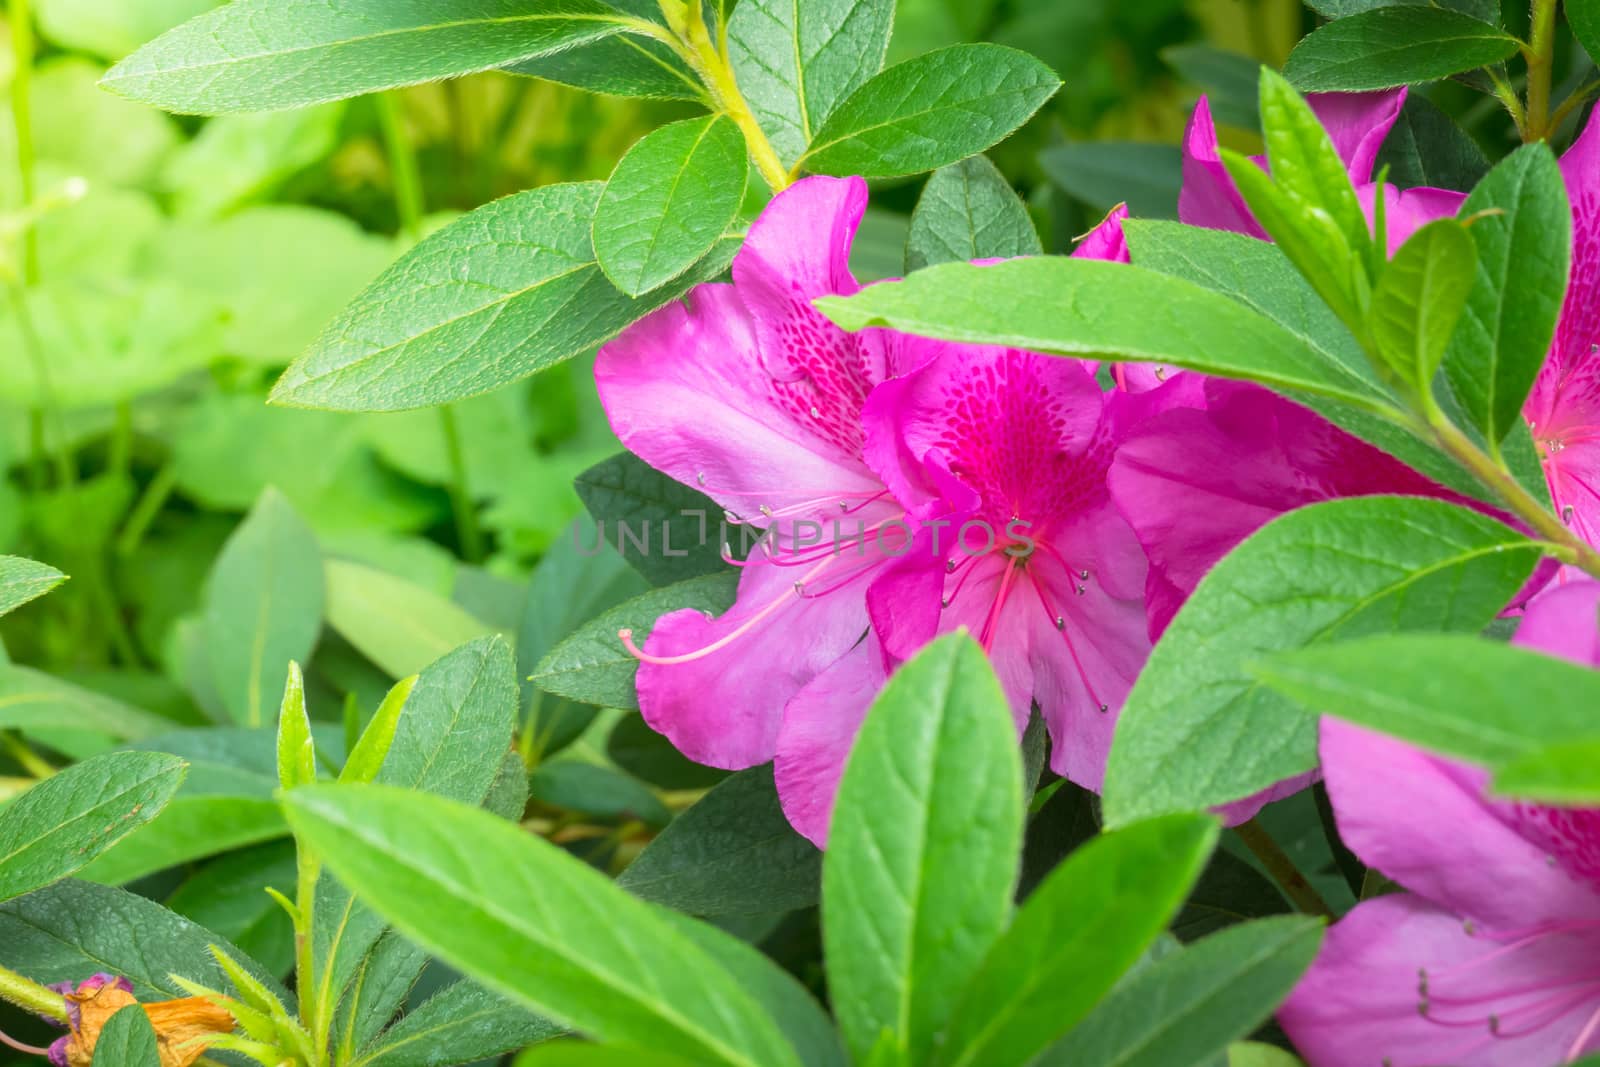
{"x": 305, "y": 949}
{"x": 403, "y": 169}
{"x": 66, "y": 471}
{"x": 22, "y": 48}
{"x": 26, "y": 758}
{"x": 145, "y": 511}
{"x": 1278, "y": 864}
{"x": 1508, "y": 97}
{"x": 1518, "y": 500}
{"x": 468, "y": 531}
{"x": 1541, "y": 69}
{"x": 31, "y": 996}
{"x": 119, "y": 458}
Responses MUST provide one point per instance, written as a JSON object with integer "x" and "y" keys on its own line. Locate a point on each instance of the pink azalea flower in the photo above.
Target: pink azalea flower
{"x": 752, "y": 396}
{"x": 1492, "y": 959}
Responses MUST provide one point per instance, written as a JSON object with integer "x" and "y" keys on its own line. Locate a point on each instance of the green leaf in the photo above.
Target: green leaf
{"x": 968, "y": 211}
{"x": 228, "y": 895}
{"x": 372, "y": 747}
{"x": 33, "y": 700}
{"x": 922, "y": 850}
{"x": 663, "y": 528}
{"x": 1392, "y": 46}
{"x": 1257, "y": 275}
{"x": 73, "y": 929}
{"x": 1331, "y": 571}
{"x": 263, "y": 607}
{"x": 597, "y": 791}
{"x": 1230, "y": 80}
{"x": 1254, "y": 1054}
{"x": 651, "y": 757}
{"x": 534, "y": 923}
{"x": 1467, "y": 697}
{"x": 1524, "y": 241}
{"x": 22, "y": 580}
{"x": 1090, "y": 920}
{"x": 111, "y": 29}
{"x": 594, "y": 667}
{"x": 1426, "y": 147}
{"x": 400, "y": 626}
{"x": 466, "y": 1019}
{"x": 1483, "y": 10}
{"x": 731, "y": 853}
{"x": 1566, "y": 773}
{"x": 796, "y": 62}
{"x": 1584, "y": 18}
{"x": 189, "y": 828}
{"x": 65, "y": 821}
{"x": 484, "y": 302}
{"x": 1187, "y": 1007}
{"x": 1230, "y": 892}
{"x": 1420, "y": 297}
{"x": 1098, "y": 310}
{"x": 618, "y": 66}
{"x": 580, "y": 1054}
{"x": 1103, "y": 174}
{"x": 932, "y": 110}
{"x": 297, "y": 751}
{"x": 128, "y": 1040}
{"x": 239, "y": 158}
{"x": 668, "y": 201}
{"x": 270, "y": 55}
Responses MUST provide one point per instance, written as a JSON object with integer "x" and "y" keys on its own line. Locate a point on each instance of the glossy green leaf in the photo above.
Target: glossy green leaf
{"x": 1426, "y": 147}
{"x": 668, "y": 201}
{"x": 594, "y": 667}
{"x": 922, "y": 850}
{"x": 1567, "y": 772}
{"x": 932, "y": 110}
{"x": 263, "y": 608}
{"x": 73, "y": 929}
{"x": 1090, "y": 920}
{"x": 1332, "y": 571}
{"x": 128, "y": 1040}
{"x": 485, "y": 301}
{"x": 22, "y": 580}
{"x": 466, "y": 1019}
{"x": 1098, "y": 310}
{"x": 1187, "y": 1007}
{"x": 1467, "y": 697}
{"x": 65, "y": 821}
{"x": 400, "y": 626}
{"x": 1257, "y": 275}
{"x": 297, "y": 751}
{"x": 1392, "y": 46}
{"x": 968, "y": 211}
{"x": 534, "y": 923}
{"x": 1420, "y": 297}
{"x": 666, "y": 531}
{"x": 1524, "y": 240}
{"x": 731, "y": 853}
{"x": 267, "y": 55}
{"x": 796, "y": 62}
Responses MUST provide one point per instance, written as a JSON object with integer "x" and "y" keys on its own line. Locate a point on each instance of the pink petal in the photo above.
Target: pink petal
{"x": 819, "y": 727}
{"x": 1425, "y": 823}
{"x": 1408, "y": 210}
{"x": 1565, "y": 622}
{"x": 723, "y": 709}
{"x": 1359, "y": 1004}
{"x": 1106, "y": 241}
{"x": 1358, "y": 124}
{"x": 1208, "y": 197}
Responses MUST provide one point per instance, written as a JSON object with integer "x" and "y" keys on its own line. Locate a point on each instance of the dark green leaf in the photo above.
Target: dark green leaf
{"x": 922, "y": 850}
{"x": 1427, "y": 148}
{"x": 1103, "y": 174}
{"x": 1230, "y": 892}
{"x": 128, "y": 1040}
{"x": 1524, "y": 246}
{"x": 487, "y": 300}
{"x": 1187, "y": 1007}
{"x": 65, "y": 821}
{"x": 465, "y": 1022}
{"x": 1088, "y": 923}
{"x": 594, "y": 667}
{"x": 1584, "y": 18}
{"x": 969, "y": 211}
{"x": 1483, "y": 10}
{"x": 796, "y": 62}
{"x": 263, "y": 608}
{"x": 731, "y": 853}
{"x": 1392, "y": 46}
{"x": 642, "y": 752}
{"x": 1467, "y": 697}
{"x": 597, "y": 791}
{"x": 534, "y": 923}
{"x": 267, "y": 55}
{"x": 22, "y": 580}
{"x": 1093, "y": 309}
{"x": 1230, "y": 81}
{"x": 668, "y": 201}
{"x": 932, "y": 110}
{"x": 229, "y": 895}
{"x": 618, "y": 66}
{"x": 1331, "y": 571}
{"x": 1420, "y": 297}
{"x": 664, "y": 529}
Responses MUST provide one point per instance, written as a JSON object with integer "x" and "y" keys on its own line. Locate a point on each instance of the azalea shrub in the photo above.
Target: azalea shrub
{"x": 1154, "y": 621}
